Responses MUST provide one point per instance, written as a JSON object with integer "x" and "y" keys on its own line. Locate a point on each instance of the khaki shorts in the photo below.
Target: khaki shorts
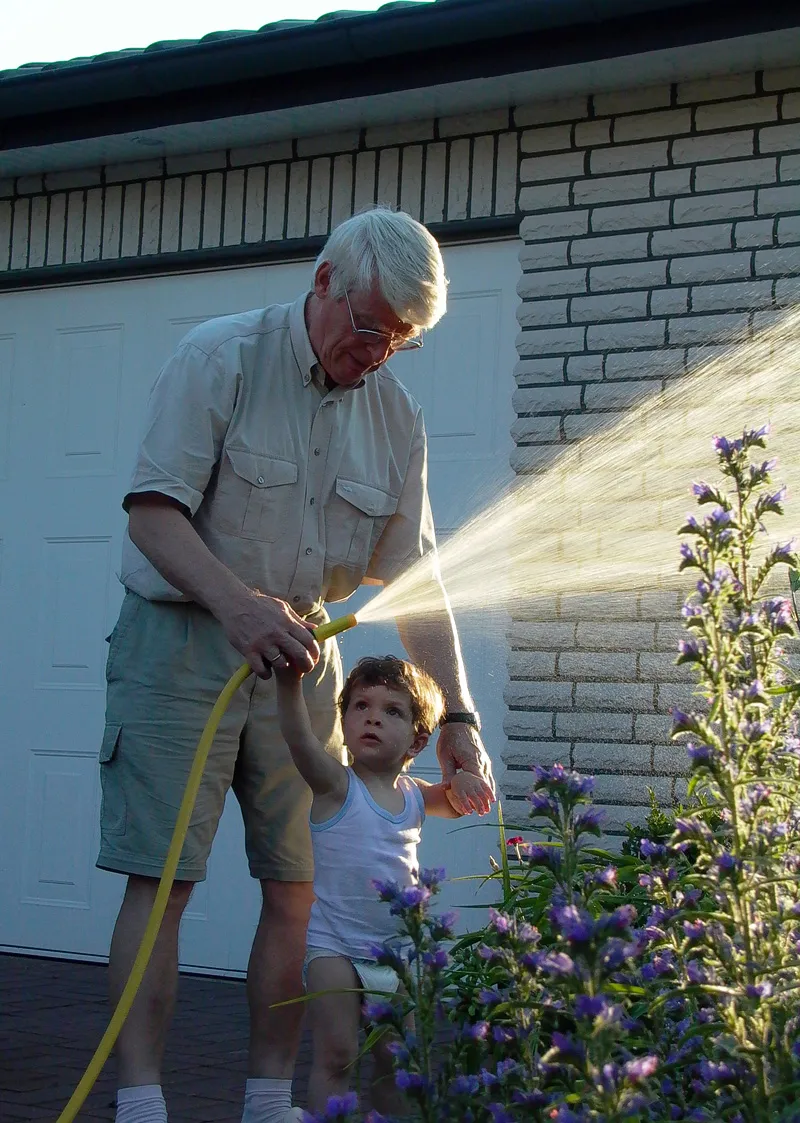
{"x": 167, "y": 663}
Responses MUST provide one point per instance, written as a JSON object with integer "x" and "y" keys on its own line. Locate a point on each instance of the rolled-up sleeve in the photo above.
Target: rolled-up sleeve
{"x": 188, "y": 413}
{"x": 409, "y": 534}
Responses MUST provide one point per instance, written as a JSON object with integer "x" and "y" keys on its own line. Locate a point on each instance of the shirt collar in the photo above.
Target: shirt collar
{"x": 307, "y": 361}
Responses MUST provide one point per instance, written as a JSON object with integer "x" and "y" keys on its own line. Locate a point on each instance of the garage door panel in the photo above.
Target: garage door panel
{"x": 76, "y": 369}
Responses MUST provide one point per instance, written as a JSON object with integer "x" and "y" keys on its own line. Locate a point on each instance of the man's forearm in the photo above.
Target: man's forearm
{"x": 432, "y": 642}
{"x": 169, "y": 541}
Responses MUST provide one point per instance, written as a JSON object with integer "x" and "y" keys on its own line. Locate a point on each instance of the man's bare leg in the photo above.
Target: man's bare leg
{"x": 140, "y": 1045}
{"x": 274, "y": 974}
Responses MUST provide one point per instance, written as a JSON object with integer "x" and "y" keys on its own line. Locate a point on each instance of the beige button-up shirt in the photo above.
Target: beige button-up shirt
{"x": 302, "y": 492}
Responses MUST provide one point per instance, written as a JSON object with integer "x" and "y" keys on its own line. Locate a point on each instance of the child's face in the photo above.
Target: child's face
{"x": 379, "y": 728}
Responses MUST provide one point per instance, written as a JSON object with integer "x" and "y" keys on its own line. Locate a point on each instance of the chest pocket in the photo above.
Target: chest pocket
{"x": 355, "y": 516}
{"x": 254, "y": 494}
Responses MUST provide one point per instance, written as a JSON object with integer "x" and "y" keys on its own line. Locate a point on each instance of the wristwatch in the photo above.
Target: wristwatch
{"x": 464, "y": 717}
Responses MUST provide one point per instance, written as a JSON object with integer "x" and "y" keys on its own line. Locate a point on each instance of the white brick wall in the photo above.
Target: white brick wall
{"x": 658, "y": 224}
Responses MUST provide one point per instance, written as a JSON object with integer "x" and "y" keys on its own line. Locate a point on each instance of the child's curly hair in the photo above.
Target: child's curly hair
{"x": 427, "y": 700}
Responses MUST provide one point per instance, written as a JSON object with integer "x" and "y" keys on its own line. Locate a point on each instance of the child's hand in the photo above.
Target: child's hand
{"x": 468, "y": 793}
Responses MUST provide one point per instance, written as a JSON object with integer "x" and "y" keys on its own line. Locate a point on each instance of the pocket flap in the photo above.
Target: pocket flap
{"x": 261, "y": 471}
{"x": 110, "y": 742}
{"x": 370, "y": 500}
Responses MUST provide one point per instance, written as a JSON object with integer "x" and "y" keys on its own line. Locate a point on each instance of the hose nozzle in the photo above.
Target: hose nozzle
{"x": 333, "y": 627}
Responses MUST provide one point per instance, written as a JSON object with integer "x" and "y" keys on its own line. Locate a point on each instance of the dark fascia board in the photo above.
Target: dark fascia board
{"x": 230, "y": 257}
{"x": 357, "y": 56}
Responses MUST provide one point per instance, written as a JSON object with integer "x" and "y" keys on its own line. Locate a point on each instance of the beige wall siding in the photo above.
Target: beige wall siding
{"x": 656, "y": 224}
{"x": 447, "y": 170}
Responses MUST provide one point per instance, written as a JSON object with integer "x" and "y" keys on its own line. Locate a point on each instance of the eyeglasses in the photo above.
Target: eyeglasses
{"x": 390, "y": 341}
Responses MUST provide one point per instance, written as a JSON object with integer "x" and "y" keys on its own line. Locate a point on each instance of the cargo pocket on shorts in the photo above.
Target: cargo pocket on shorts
{"x": 113, "y": 809}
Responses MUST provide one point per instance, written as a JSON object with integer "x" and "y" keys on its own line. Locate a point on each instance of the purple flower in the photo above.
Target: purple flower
{"x": 694, "y": 929}
{"x": 378, "y": 1010}
{"x": 411, "y": 897}
{"x": 489, "y": 996}
{"x": 567, "y": 1048}
{"x": 691, "y": 651}
{"x": 431, "y": 878}
{"x": 464, "y": 1085}
{"x": 408, "y": 1081}
{"x": 575, "y": 926}
{"x": 699, "y": 753}
{"x": 779, "y": 612}
{"x": 703, "y": 492}
{"x": 499, "y": 1114}
{"x": 435, "y": 959}
{"x": 591, "y": 1006}
{"x": 786, "y": 552}
{"x": 607, "y": 878}
{"x": 500, "y": 922}
{"x": 650, "y": 850}
{"x": 387, "y": 890}
{"x": 503, "y": 1034}
{"x": 539, "y": 855}
{"x": 555, "y": 963}
{"x": 543, "y": 804}
{"x": 589, "y": 821}
{"x": 477, "y": 1031}
{"x": 339, "y": 1107}
{"x": 760, "y": 990}
{"x": 696, "y": 972}
{"x": 640, "y": 1068}
{"x": 726, "y": 449}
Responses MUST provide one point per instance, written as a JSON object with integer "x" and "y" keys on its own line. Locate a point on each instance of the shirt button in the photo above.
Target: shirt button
{"x": 296, "y": 600}
{"x": 316, "y": 452}
{"x": 260, "y": 479}
{"x": 311, "y": 501}
{"x": 309, "y": 550}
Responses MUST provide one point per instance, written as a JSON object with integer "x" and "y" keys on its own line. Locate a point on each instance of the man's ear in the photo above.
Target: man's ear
{"x": 418, "y": 744}
{"x": 322, "y": 280}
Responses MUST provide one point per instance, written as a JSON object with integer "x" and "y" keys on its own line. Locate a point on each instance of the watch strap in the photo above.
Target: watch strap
{"x": 464, "y": 717}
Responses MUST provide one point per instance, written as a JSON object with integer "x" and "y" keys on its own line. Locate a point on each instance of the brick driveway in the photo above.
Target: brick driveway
{"x": 53, "y": 1013}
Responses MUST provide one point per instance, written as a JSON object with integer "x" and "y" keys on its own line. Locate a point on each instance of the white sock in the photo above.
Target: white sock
{"x": 143, "y": 1104}
{"x": 267, "y": 1100}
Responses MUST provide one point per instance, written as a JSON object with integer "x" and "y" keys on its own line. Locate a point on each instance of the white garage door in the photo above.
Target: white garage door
{"x": 76, "y": 366}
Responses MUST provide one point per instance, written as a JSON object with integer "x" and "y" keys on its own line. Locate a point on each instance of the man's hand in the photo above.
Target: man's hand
{"x": 460, "y": 747}
{"x": 268, "y": 633}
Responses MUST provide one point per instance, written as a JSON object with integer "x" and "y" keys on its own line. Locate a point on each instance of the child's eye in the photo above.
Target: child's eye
{"x": 393, "y": 711}
{"x": 361, "y": 705}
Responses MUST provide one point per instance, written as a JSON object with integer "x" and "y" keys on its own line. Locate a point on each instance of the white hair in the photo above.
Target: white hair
{"x": 395, "y": 251}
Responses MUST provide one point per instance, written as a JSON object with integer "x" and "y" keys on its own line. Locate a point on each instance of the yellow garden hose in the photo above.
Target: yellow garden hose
{"x": 103, "y": 1051}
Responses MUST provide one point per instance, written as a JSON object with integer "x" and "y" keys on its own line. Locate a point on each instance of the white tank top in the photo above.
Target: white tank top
{"x": 360, "y": 842}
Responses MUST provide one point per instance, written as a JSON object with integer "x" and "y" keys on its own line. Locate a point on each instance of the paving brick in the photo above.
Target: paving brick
{"x": 737, "y": 173}
{"x": 545, "y": 636}
{"x": 753, "y": 234}
{"x": 549, "y": 197}
{"x": 660, "y": 666}
{"x": 676, "y": 181}
{"x": 777, "y": 262}
{"x": 653, "y": 727}
{"x": 524, "y": 754}
{"x": 670, "y": 760}
{"x": 620, "y": 395}
{"x": 710, "y": 267}
{"x": 617, "y": 247}
{"x": 597, "y": 665}
{"x": 584, "y": 367}
{"x": 638, "y": 364}
{"x": 598, "y": 726}
{"x": 691, "y": 240}
{"x": 551, "y": 138}
{"x": 538, "y": 228}
{"x": 790, "y": 106}
{"x": 605, "y": 756}
{"x": 629, "y": 636}
{"x": 712, "y": 147}
{"x": 669, "y": 302}
{"x": 538, "y": 313}
{"x": 778, "y": 200}
{"x": 538, "y": 429}
{"x": 671, "y": 695}
{"x": 708, "y": 329}
{"x": 617, "y": 306}
{"x": 628, "y": 101}
{"x": 711, "y": 208}
{"x": 532, "y": 664}
{"x": 604, "y": 278}
{"x": 529, "y": 372}
{"x": 789, "y": 168}
{"x": 717, "y": 88}
{"x": 726, "y": 115}
{"x": 551, "y": 341}
{"x": 532, "y": 460}
{"x": 547, "y": 112}
{"x": 544, "y": 695}
{"x": 668, "y": 633}
{"x": 547, "y": 399}
{"x": 591, "y": 133}
{"x": 620, "y": 697}
{"x": 668, "y": 122}
{"x": 629, "y": 157}
{"x": 787, "y": 292}
{"x": 785, "y": 78}
{"x": 746, "y": 294}
{"x": 543, "y": 255}
{"x": 529, "y": 724}
{"x": 625, "y": 791}
{"x": 619, "y": 336}
{"x": 779, "y": 138}
{"x": 632, "y": 216}
{"x": 545, "y": 169}
{"x": 612, "y": 189}
{"x": 551, "y": 282}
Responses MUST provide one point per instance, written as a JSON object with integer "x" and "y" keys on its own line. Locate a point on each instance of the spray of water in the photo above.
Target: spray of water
{"x": 602, "y": 516}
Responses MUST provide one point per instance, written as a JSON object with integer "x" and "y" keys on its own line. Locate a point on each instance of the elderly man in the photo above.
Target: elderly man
{"x": 281, "y": 466}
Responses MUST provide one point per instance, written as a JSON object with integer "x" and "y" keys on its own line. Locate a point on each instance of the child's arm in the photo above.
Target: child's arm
{"x": 323, "y": 774}
{"x": 445, "y": 799}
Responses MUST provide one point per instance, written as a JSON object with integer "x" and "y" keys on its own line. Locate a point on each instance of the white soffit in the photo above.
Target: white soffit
{"x": 771, "y": 49}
